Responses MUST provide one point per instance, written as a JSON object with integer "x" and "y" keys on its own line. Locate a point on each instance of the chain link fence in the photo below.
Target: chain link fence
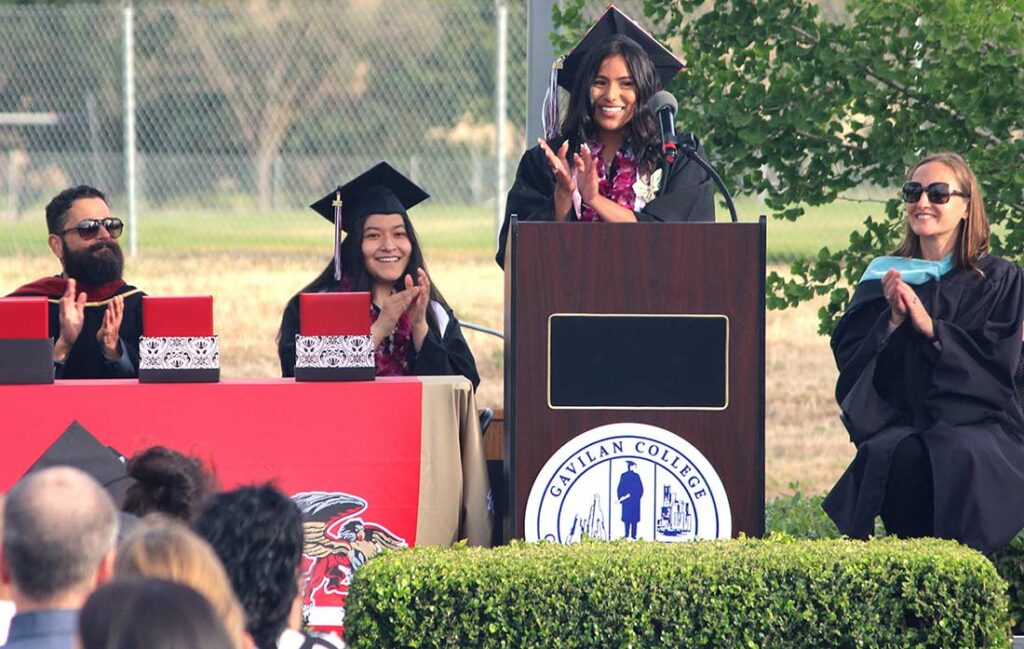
{"x": 254, "y": 109}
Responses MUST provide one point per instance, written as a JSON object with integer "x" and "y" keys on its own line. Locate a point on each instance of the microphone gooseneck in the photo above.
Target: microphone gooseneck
{"x": 664, "y": 106}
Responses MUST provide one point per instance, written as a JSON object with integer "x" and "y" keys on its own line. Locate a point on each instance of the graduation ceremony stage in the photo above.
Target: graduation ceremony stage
{"x": 388, "y": 463}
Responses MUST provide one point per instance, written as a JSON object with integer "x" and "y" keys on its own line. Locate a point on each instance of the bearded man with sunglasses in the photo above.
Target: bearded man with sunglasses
{"x": 95, "y": 317}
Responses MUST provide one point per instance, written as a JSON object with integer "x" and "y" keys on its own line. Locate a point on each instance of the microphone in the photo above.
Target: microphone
{"x": 664, "y": 106}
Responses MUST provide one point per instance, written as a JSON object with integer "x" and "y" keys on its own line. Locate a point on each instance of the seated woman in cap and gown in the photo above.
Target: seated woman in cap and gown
{"x": 604, "y": 162}
{"x": 414, "y": 330}
{"x": 927, "y": 352}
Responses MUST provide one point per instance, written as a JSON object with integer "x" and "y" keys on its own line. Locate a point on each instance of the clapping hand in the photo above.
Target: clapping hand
{"x": 391, "y": 309}
{"x": 586, "y": 175}
{"x": 560, "y": 167}
{"x": 72, "y": 318}
{"x": 109, "y": 334}
{"x": 904, "y": 303}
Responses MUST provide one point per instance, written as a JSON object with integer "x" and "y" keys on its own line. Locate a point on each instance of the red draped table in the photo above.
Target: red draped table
{"x": 401, "y": 459}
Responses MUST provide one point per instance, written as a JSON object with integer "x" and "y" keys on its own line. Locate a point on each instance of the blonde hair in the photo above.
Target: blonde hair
{"x": 972, "y": 232}
{"x": 165, "y": 548}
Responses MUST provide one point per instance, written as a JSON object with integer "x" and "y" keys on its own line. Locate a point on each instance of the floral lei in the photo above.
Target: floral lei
{"x": 392, "y": 355}
{"x": 620, "y": 187}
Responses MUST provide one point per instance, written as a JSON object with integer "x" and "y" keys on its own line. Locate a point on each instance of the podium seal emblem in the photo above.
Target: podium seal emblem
{"x": 627, "y": 480}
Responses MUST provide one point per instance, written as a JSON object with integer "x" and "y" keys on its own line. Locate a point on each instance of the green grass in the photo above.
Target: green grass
{"x": 451, "y": 229}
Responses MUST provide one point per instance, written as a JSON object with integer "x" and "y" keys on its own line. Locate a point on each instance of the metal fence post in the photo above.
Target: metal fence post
{"x": 501, "y": 114}
{"x": 128, "y": 17}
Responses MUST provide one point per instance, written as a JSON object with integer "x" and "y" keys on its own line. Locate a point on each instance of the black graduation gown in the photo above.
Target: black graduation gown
{"x": 688, "y": 195}
{"x": 440, "y": 355}
{"x": 959, "y": 399}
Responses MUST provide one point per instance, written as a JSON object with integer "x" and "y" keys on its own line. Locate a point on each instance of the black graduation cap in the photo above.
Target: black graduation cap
{"x": 77, "y": 447}
{"x": 379, "y": 190}
{"x": 611, "y": 22}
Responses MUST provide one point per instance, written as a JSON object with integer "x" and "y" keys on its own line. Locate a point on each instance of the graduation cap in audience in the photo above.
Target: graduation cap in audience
{"x": 611, "y": 22}
{"x": 77, "y": 447}
{"x": 379, "y": 190}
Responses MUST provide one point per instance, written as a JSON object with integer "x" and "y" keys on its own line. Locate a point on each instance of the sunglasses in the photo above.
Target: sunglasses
{"x": 89, "y": 228}
{"x": 938, "y": 193}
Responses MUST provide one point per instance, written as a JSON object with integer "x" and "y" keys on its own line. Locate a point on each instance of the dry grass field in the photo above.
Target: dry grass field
{"x": 805, "y": 441}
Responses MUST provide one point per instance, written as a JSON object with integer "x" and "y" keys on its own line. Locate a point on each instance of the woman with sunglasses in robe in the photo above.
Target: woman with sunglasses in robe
{"x": 927, "y": 352}
{"x": 616, "y": 175}
{"x": 95, "y": 317}
{"x": 414, "y": 330}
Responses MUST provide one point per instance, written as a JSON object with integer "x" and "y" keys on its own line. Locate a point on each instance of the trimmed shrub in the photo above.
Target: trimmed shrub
{"x": 802, "y": 517}
{"x": 779, "y": 592}
{"x": 1009, "y": 564}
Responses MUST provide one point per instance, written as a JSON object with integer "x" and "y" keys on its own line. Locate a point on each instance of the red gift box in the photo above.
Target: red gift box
{"x": 24, "y": 317}
{"x": 334, "y": 314}
{"x": 181, "y": 316}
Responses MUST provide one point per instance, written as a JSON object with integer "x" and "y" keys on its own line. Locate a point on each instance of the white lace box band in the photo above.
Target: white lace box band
{"x": 179, "y": 359}
{"x": 334, "y": 358}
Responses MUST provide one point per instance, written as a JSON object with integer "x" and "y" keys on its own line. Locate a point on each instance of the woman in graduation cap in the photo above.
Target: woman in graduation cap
{"x": 603, "y": 163}
{"x": 927, "y": 352}
{"x": 414, "y": 330}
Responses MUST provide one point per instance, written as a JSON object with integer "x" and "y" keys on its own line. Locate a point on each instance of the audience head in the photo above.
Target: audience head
{"x": 942, "y": 188}
{"x": 164, "y": 548}
{"x": 136, "y": 612}
{"x": 59, "y": 528}
{"x": 167, "y": 482}
{"x": 257, "y": 533}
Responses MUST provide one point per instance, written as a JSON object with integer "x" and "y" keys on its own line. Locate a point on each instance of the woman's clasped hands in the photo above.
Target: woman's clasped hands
{"x": 412, "y": 300}
{"x": 904, "y": 304}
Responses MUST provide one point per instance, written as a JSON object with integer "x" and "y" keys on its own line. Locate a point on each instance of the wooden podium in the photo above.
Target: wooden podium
{"x": 569, "y": 281}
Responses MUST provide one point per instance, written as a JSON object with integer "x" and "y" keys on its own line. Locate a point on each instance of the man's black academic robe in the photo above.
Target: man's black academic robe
{"x": 688, "y": 195}
{"x": 958, "y": 396}
{"x": 86, "y": 359}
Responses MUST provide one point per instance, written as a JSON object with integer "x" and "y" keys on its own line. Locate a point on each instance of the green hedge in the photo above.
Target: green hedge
{"x": 779, "y": 592}
{"x": 802, "y": 517}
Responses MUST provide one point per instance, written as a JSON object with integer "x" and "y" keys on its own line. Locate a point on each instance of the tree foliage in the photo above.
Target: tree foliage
{"x": 801, "y": 110}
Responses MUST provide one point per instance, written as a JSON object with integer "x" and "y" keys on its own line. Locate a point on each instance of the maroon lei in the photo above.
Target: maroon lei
{"x": 392, "y": 355}
{"x": 619, "y": 188}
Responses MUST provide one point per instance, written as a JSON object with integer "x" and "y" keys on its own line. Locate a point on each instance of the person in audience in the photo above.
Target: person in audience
{"x": 59, "y": 528}
{"x": 414, "y": 331}
{"x": 165, "y": 548}
{"x": 256, "y": 532}
{"x": 927, "y": 351}
{"x": 167, "y": 482}
{"x": 603, "y": 163}
{"x": 6, "y": 605}
{"x": 149, "y": 613}
{"x": 95, "y": 317}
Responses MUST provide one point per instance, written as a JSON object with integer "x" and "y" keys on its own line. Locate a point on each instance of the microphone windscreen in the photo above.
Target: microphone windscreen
{"x": 661, "y": 100}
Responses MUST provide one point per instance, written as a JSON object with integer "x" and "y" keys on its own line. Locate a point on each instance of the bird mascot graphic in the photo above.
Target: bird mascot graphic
{"x": 337, "y": 541}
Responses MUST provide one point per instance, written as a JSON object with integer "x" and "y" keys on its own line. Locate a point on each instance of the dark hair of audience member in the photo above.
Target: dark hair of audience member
{"x": 257, "y": 533}
{"x": 137, "y": 612}
{"x": 59, "y": 205}
{"x": 167, "y": 482}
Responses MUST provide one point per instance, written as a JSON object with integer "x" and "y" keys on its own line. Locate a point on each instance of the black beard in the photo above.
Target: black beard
{"x": 92, "y": 266}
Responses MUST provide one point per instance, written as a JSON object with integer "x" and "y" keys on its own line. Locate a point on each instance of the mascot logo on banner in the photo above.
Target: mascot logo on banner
{"x": 627, "y": 481}
{"x": 336, "y": 542}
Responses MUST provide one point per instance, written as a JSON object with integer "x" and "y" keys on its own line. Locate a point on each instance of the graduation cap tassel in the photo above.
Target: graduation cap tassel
{"x": 337, "y": 235}
{"x": 549, "y": 116}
